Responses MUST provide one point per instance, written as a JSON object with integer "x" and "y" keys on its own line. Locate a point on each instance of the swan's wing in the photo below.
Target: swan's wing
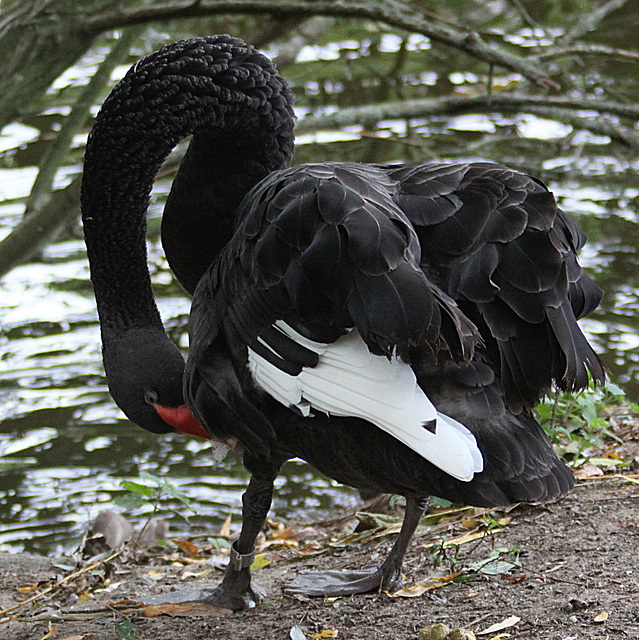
{"x": 519, "y": 460}
{"x": 321, "y": 298}
{"x": 496, "y": 242}
{"x": 328, "y": 244}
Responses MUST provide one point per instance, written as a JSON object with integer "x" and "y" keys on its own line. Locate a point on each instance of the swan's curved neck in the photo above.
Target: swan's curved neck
{"x": 218, "y": 89}
{"x": 219, "y": 168}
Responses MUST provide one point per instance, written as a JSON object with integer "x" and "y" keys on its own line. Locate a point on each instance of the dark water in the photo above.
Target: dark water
{"x": 64, "y": 446}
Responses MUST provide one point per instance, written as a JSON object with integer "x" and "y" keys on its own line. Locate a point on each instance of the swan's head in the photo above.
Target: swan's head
{"x": 144, "y": 372}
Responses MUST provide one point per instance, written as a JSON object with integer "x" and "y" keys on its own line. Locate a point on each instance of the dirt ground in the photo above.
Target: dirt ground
{"x": 576, "y": 576}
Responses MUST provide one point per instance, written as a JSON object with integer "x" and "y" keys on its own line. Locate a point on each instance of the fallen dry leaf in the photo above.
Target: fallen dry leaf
{"x": 188, "y": 547}
{"x": 176, "y": 558}
{"x": 588, "y": 471}
{"x": 466, "y": 537}
{"x": 52, "y": 633}
{"x": 326, "y": 633}
{"x": 280, "y": 542}
{"x": 284, "y": 534}
{"x": 178, "y": 609}
{"x": 422, "y": 587}
{"x": 513, "y": 579}
{"x": 195, "y": 574}
{"x": 260, "y": 561}
{"x": 28, "y": 589}
{"x": 226, "y": 527}
{"x": 511, "y": 621}
{"x": 471, "y": 523}
{"x": 415, "y": 590}
{"x": 602, "y": 617}
{"x": 121, "y": 603}
{"x": 156, "y": 574}
{"x": 110, "y": 586}
{"x": 471, "y": 536}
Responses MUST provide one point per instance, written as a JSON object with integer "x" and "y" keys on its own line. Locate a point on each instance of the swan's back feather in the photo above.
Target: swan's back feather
{"x": 497, "y": 243}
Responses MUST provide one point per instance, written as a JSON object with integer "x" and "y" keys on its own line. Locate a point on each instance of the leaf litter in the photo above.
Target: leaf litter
{"x": 279, "y": 543}
{"x": 445, "y": 530}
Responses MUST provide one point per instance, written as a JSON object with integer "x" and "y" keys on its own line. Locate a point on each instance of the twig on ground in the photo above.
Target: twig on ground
{"x": 58, "y": 585}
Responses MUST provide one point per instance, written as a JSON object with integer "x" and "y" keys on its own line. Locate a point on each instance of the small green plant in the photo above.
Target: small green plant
{"x": 492, "y": 522}
{"x": 445, "y": 553}
{"x": 578, "y": 421}
{"x": 499, "y": 561}
{"x": 125, "y": 630}
{"x": 154, "y": 493}
{"x": 442, "y": 503}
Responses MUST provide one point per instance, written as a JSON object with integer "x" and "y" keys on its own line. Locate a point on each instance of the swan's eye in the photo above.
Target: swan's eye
{"x": 150, "y": 397}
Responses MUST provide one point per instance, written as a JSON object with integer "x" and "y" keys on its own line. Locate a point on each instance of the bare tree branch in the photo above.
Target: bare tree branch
{"x": 49, "y": 213}
{"x": 555, "y": 108}
{"x": 587, "y": 50}
{"x": 390, "y": 12}
{"x": 73, "y": 123}
{"x": 590, "y": 20}
{"x": 34, "y": 232}
{"x": 452, "y": 105}
{"x": 38, "y": 41}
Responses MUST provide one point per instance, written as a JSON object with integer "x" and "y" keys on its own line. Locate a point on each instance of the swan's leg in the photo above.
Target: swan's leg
{"x": 391, "y": 568}
{"x": 236, "y": 591}
{"x": 386, "y": 577}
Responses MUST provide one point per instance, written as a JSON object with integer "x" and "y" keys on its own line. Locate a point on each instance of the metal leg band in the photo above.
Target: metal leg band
{"x": 241, "y": 561}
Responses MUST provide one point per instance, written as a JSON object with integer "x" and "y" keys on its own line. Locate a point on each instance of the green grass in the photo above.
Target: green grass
{"x": 578, "y": 422}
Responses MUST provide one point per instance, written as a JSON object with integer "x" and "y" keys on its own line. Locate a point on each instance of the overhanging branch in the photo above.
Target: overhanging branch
{"x": 561, "y": 109}
{"x": 452, "y": 105}
{"x": 588, "y": 50}
{"x": 390, "y": 12}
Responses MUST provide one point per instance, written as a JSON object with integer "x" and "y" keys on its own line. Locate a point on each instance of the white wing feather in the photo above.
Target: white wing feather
{"x": 350, "y": 381}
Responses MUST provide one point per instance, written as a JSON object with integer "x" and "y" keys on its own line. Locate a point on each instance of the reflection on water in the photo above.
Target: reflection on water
{"x": 64, "y": 446}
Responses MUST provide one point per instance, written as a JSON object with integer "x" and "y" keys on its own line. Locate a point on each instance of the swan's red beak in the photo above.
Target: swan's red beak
{"x": 182, "y": 420}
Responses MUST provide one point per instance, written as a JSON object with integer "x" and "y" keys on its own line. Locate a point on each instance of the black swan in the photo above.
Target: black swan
{"x": 392, "y": 325}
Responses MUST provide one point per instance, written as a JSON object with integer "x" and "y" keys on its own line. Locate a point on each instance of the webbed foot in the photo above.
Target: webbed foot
{"x": 235, "y": 599}
{"x": 236, "y": 591}
{"x": 341, "y": 583}
{"x": 387, "y": 577}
